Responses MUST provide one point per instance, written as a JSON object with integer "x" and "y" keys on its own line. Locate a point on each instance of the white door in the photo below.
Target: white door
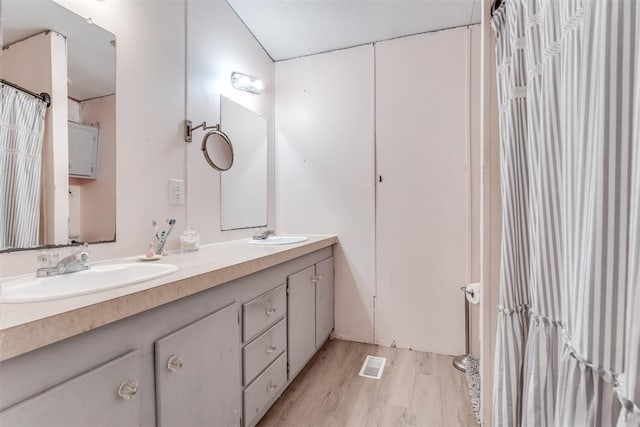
{"x": 421, "y": 202}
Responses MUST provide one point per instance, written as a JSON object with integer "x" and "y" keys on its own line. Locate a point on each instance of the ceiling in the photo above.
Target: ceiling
{"x": 291, "y": 28}
{"x": 91, "y": 61}
{"x": 285, "y": 28}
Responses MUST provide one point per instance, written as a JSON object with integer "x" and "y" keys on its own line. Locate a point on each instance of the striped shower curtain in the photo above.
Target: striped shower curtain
{"x": 568, "y": 344}
{"x": 21, "y": 132}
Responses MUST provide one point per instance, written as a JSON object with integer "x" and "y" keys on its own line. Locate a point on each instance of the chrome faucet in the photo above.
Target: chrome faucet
{"x": 71, "y": 264}
{"x": 264, "y": 235}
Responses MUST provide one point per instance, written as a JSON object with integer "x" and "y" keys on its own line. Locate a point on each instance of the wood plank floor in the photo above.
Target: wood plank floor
{"x": 416, "y": 389}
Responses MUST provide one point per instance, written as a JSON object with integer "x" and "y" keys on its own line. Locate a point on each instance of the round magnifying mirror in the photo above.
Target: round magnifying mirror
{"x": 218, "y": 150}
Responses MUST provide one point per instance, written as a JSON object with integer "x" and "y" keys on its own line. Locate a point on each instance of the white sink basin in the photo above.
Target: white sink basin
{"x": 95, "y": 279}
{"x": 278, "y": 240}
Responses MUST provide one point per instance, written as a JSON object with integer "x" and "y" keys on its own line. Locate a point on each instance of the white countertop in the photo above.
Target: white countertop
{"x": 28, "y": 326}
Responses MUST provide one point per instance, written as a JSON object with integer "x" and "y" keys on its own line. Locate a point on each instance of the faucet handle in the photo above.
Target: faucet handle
{"x": 48, "y": 259}
{"x": 83, "y": 253}
{"x": 44, "y": 259}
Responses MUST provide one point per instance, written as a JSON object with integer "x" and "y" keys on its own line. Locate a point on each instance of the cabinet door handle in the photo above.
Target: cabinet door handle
{"x": 128, "y": 389}
{"x": 317, "y": 277}
{"x": 271, "y": 387}
{"x": 271, "y": 311}
{"x": 271, "y": 348}
{"x": 174, "y": 363}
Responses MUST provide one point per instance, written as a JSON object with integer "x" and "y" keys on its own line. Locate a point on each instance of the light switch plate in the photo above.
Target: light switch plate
{"x": 176, "y": 192}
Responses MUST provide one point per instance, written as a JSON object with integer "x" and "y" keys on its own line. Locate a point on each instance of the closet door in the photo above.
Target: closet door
{"x": 422, "y": 125}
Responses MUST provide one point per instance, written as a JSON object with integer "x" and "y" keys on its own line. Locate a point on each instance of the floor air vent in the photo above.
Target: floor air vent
{"x": 373, "y": 367}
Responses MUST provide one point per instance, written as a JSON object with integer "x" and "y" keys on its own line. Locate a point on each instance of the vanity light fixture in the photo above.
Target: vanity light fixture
{"x": 247, "y": 83}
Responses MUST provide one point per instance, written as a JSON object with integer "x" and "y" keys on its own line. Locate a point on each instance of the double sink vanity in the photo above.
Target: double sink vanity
{"x": 210, "y": 337}
{"x": 213, "y": 340}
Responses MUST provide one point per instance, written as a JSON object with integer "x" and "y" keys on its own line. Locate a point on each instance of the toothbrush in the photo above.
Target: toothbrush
{"x": 165, "y": 235}
{"x": 154, "y": 224}
{"x": 171, "y": 224}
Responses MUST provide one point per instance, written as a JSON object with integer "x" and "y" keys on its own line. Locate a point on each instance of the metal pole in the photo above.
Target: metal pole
{"x": 460, "y": 362}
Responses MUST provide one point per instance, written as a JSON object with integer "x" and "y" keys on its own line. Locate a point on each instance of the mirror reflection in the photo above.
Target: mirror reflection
{"x": 57, "y": 163}
{"x": 244, "y": 187}
{"x": 218, "y": 150}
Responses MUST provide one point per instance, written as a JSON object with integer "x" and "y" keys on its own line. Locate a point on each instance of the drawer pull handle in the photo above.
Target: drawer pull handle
{"x": 271, "y": 387}
{"x": 271, "y": 348}
{"x": 174, "y": 363}
{"x": 128, "y": 389}
{"x": 271, "y": 311}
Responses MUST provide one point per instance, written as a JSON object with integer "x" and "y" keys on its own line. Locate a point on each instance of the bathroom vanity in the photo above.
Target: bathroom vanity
{"x": 215, "y": 343}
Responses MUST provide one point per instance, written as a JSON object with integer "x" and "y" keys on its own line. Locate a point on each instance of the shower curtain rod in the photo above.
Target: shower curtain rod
{"x": 44, "y": 97}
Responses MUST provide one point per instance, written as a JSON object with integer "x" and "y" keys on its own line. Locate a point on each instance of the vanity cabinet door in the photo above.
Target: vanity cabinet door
{"x": 324, "y": 300}
{"x": 198, "y": 373}
{"x": 105, "y": 396}
{"x": 301, "y": 319}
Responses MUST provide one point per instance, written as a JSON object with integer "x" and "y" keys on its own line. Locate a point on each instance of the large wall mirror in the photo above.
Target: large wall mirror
{"x": 63, "y": 190}
{"x": 243, "y": 190}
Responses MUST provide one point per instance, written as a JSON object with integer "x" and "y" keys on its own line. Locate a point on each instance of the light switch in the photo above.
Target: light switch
{"x": 176, "y": 192}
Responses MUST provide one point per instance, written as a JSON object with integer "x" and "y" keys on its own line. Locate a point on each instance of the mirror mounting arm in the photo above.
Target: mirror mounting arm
{"x": 189, "y": 128}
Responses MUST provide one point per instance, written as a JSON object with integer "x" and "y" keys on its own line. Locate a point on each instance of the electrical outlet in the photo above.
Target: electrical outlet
{"x": 176, "y": 192}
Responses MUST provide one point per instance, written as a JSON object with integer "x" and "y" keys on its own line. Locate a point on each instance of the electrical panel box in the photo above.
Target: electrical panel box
{"x": 83, "y": 150}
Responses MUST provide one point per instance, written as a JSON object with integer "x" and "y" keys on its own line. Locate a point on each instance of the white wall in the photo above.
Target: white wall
{"x": 218, "y": 45}
{"x": 475, "y": 171}
{"x": 491, "y": 221}
{"x": 324, "y": 170}
{"x": 150, "y": 109}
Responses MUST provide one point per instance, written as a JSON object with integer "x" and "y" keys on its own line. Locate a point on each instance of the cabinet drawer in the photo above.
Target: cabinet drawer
{"x": 263, "y": 311}
{"x": 265, "y": 389}
{"x": 264, "y": 350}
{"x": 106, "y": 395}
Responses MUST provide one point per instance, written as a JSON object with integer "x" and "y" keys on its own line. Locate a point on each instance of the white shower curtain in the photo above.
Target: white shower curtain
{"x": 22, "y": 119}
{"x": 568, "y": 345}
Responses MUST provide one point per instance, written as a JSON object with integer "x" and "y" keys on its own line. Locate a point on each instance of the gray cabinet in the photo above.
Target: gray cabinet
{"x": 263, "y": 356}
{"x": 264, "y": 311}
{"x": 301, "y": 320}
{"x": 106, "y": 395}
{"x": 198, "y": 372}
{"x": 324, "y": 300}
{"x": 263, "y": 350}
{"x": 310, "y": 312}
{"x": 265, "y": 390}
